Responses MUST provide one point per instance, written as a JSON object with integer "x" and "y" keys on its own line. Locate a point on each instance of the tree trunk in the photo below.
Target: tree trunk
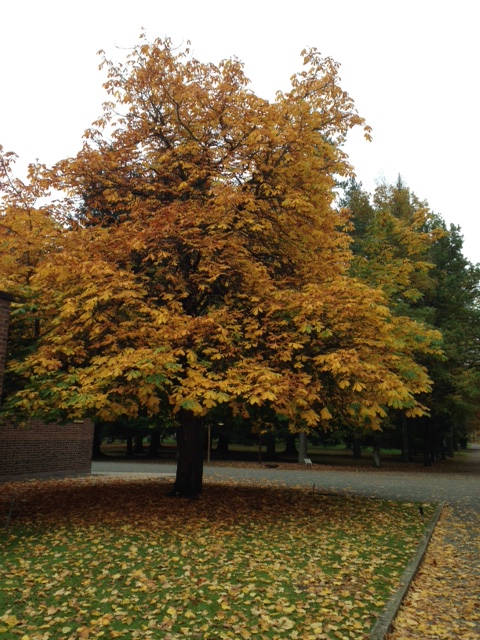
{"x": 270, "y": 440}
{"x": 129, "y": 446}
{"x": 188, "y": 481}
{"x": 138, "y": 447}
{"x": 427, "y": 445}
{"x": 376, "y": 452}
{"x": 97, "y": 441}
{"x": 405, "y": 440}
{"x": 443, "y": 449}
{"x": 449, "y": 441}
{"x": 356, "y": 446}
{"x": 290, "y": 449}
{"x": 223, "y": 442}
{"x": 302, "y": 447}
{"x": 154, "y": 443}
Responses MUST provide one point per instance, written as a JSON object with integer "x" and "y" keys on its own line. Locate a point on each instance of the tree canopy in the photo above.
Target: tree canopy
{"x": 195, "y": 257}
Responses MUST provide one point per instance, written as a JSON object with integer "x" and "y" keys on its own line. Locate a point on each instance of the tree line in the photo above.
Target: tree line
{"x": 194, "y": 262}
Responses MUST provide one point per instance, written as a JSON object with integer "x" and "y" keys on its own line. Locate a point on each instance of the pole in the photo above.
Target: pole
{"x": 209, "y": 441}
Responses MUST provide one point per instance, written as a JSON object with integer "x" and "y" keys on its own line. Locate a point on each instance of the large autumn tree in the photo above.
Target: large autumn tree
{"x": 28, "y": 233}
{"x": 203, "y": 262}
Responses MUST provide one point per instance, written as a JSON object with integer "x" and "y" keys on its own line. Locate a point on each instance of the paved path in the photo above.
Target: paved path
{"x": 462, "y": 489}
{"x": 442, "y": 602}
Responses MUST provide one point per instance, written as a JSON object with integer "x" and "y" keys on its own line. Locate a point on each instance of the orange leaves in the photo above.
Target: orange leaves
{"x": 9, "y": 620}
{"x": 325, "y": 414}
{"x": 116, "y": 558}
{"x": 203, "y": 262}
{"x": 311, "y": 417}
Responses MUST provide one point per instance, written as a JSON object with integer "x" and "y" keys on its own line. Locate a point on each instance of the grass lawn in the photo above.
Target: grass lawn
{"x": 101, "y": 558}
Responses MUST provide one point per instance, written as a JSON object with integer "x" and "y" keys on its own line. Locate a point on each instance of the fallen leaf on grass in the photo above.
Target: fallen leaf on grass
{"x": 118, "y": 559}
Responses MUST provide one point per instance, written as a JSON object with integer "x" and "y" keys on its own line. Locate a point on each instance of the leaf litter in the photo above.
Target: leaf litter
{"x": 442, "y": 602}
{"x": 116, "y": 558}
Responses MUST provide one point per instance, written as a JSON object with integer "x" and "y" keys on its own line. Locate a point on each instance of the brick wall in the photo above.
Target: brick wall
{"x": 37, "y": 449}
{"x": 4, "y": 316}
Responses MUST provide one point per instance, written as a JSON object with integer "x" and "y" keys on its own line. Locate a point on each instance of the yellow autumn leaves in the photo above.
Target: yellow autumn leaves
{"x": 94, "y": 558}
{"x": 195, "y": 259}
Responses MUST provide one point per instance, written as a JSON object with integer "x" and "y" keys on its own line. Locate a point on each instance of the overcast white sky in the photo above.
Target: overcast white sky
{"x": 411, "y": 66}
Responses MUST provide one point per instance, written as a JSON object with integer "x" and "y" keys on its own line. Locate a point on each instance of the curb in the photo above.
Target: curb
{"x": 133, "y": 474}
{"x": 384, "y": 622}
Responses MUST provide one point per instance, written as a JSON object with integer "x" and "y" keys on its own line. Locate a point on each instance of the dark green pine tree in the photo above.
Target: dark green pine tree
{"x": 400, "y": 246}
{"x": 454, "y": 306}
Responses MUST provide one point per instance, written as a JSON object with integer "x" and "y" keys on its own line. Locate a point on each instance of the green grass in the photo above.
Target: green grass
{"x": 118, "y": 559}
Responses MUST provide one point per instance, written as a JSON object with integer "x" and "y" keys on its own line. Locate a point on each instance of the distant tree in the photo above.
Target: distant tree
{"x": 454, "y": 305}
{"x": 400, "y": 246}
{"x": 392, "y": 236}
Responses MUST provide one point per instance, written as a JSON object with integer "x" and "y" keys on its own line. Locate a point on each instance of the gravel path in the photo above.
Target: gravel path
{"x": 462, "y": 489}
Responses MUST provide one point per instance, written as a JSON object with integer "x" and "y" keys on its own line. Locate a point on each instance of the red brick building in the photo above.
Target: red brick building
{"x": 38, "y": 449}
{"x": 4, "y": 314}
